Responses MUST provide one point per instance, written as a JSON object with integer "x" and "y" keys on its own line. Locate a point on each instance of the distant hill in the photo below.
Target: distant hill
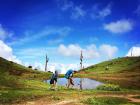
{"x": 114, "y": 65}
{"x": 12, "y": 73}
{"x": 123, "y": 71}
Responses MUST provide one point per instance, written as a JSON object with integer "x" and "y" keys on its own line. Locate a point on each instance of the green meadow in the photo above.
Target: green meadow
{"x": 121, "y": 76}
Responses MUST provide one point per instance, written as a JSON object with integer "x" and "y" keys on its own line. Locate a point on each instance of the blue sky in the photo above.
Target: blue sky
{"x": 103, "y": 29}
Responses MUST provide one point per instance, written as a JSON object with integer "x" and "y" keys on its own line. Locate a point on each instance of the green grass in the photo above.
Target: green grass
{"x": 137, "y": 97}
{"x": 108, "y": 101}
{"x": 109, "y": 87}
{"x": 114, "y": 65}
{"x": 18, "y": 83}
{"x": 121, "y": 71}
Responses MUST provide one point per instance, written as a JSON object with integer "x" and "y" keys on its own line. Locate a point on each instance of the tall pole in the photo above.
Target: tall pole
{"x": 47, "y": 60}
{"x": 81, "y": 60}
{"x": 81, "y": 64}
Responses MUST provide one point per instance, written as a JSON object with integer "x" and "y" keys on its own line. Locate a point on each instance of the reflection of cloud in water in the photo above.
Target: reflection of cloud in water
{"x": 86, "y": 83}
{"x": 90, "y": 84}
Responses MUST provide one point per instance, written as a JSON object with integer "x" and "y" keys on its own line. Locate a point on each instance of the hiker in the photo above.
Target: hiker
{"x": 68, "y": 76}
{"x": 53, "y": 80}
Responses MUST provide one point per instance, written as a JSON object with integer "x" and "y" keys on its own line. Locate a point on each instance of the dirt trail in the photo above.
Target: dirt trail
{"x": 45, "y": 101}
{"x": 66, "y": 102}
{"x": 129, "y": 97}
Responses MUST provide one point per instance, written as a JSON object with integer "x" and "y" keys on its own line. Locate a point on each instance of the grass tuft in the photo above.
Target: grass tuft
{"x": 109, "y": 87}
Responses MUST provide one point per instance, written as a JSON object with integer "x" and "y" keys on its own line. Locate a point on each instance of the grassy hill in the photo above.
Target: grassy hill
{"x": 123, "y": 71}
{"x": 18, "y": 82}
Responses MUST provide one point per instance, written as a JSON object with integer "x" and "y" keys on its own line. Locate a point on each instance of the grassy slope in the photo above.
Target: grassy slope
{"x": 122, "y": 71}
{"x": 18, "y": 83}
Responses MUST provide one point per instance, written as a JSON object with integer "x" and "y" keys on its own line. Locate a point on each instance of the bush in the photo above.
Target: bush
{"x": 109, "y": 87}
{"x": 105, "y": 101}
{"x": 30, "y": 67}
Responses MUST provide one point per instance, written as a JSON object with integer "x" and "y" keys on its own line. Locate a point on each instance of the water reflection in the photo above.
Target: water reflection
{"x": 80, "y": 83}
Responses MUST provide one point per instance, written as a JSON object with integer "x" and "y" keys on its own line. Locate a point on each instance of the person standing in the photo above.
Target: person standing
{"x": 68, "y": 76}
{"x": 53, "y": 80}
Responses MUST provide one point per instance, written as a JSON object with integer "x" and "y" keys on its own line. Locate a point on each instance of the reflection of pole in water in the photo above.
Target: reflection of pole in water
{"x": 81, "y": 84}
{"x": 81, "y": 61}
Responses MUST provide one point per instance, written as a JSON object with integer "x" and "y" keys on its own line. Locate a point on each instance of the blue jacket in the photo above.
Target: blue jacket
{"x": 69, "y": 73}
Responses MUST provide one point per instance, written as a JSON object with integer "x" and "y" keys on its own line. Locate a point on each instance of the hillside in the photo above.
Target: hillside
{"x": 18, "y": 82}
{"x": 23, "y": 86}
{"x": 123, "y": 71}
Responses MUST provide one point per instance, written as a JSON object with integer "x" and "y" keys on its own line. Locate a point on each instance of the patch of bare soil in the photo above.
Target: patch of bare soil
{"x": 45, "y": 101}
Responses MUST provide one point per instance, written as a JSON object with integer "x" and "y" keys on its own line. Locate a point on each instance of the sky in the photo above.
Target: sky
{"x": 101, "y": 29}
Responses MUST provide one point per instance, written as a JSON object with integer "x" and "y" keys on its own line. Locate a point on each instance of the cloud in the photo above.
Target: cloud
{"x": 29, "y": 53}
{"x": 65, "y": 4}
{"x": 55, "y": 41}
{"x": 100, "y": 13}
{"x": 4, "y": 33}
{"x": 120, "y": 26}
{"x": 62, "y": 68}
{"x": 73, "y": 50}
{"x": 137, "y": 11}
{"x": 35, "y": 54}
{"x": 108, "y": 50}
{"x": 78, "y": 12}
{"x": 89, "y": 52}
{"x": 134, "y": 51}
{"x": 30, "y": 37}
{"x": 7, "y": 52}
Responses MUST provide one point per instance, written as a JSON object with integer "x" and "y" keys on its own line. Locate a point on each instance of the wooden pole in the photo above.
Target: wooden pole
{"x": 81, "y": 64}
{"x": 47, "y": 60}
{"x": 81, "y": 60}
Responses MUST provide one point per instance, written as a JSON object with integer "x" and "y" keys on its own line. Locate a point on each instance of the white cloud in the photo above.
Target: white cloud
{"x": 55, "y": 41}
{"x": 30, "y": 37}
{"x": 137, "y": 11}
{"x": 78, "y": 12}
{"x": 101, "y": 12}
{"x": 108, "y": 50}
{"x": 105, "y": 12}
{"x": 89, "y": 52}
{"x": 4, "y": 34}
{"x": 7, "y": 52}
{"x": 120, "y": 26}
{"x": 62, "y": 68}
{"x": 31, "y": 52}
{"x": 65, "y": 4}
{"x": 134, "y": 51}
{"x": 73, "y": 50}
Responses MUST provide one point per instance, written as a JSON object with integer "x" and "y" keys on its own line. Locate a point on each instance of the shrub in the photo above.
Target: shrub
{"x": 109, "y": 87}
{"x": 30, "y": 67}
{"x": 105, "y": 101}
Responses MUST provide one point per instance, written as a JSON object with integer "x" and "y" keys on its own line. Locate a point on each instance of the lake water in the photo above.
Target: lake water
{"x": 79, "y": 83}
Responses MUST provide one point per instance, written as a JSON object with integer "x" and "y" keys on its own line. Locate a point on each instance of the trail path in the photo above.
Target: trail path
{"x": 45, "y": 101}
{"x": 129, "y": 97}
